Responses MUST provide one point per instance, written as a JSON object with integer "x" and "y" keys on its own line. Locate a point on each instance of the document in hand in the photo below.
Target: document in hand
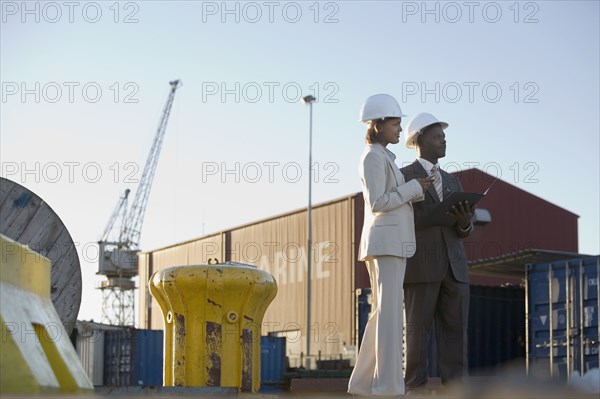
{"x": 439, "y": 215}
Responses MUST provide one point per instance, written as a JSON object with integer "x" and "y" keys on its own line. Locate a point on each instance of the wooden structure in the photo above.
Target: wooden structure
{"x": 29, "y": 220}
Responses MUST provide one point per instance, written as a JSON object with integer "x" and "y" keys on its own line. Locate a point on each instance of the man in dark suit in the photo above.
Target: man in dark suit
{"x": 436, "y": 284}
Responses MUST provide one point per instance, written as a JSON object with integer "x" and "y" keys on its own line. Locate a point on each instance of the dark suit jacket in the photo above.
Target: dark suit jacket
{"x": 436, "y": 245}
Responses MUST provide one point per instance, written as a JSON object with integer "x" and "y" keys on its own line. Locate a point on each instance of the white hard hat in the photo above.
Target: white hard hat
{"x": 417, "y": 124}
{"x": 380, "y": 106}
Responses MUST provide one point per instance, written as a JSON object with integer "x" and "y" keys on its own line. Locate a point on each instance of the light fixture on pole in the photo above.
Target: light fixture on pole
{"x": 309, "y": 100}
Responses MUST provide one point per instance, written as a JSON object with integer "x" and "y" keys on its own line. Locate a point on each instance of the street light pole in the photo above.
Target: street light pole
{"x": 309, "y": 100}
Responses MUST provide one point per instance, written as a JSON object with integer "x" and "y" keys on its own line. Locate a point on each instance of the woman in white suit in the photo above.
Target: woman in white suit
{"x": 388, "y": 238}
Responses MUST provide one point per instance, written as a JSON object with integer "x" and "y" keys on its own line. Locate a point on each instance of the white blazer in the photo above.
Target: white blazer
{"x": 389, "y": 227}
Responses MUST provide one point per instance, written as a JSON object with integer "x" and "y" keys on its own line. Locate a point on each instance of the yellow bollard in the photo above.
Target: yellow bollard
{"x": 213, "y": 316}
{"x": 36, "y": 355}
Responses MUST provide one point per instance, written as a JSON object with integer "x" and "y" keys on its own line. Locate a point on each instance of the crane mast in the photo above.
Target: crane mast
{"x": 120, "y": 241}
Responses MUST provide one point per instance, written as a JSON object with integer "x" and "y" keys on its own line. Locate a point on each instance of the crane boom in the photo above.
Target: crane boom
{"x": 121, "y": 242}
{"x": 120, "y": 211}
{"x": 135, "y": 217}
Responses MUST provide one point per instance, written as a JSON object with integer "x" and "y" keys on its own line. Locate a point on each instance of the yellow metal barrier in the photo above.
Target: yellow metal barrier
{"x": 36, "y": 355}
{"x": 213, "y": 316}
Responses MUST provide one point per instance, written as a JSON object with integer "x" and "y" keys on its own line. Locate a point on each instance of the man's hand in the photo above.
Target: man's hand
{"x": 462, "y": 214}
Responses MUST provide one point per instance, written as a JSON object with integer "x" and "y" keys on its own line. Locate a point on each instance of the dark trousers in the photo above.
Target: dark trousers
{"x": 446, "y": 302}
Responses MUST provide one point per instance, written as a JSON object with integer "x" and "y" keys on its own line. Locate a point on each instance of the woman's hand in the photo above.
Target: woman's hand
{"x": 426, "y": 182}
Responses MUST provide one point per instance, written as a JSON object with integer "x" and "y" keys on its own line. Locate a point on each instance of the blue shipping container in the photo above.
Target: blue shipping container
{"x": 149, "y": 358}
{"x": 562, "y": 305}
{"x": 133, "y": 357}
{"x": 363, "y": 311}
{"x": 272, "y": 359}
{"x": 496, "y": 330}
{"x": 496, "y": 327}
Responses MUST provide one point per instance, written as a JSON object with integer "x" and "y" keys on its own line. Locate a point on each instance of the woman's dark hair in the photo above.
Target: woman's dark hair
{"x": 374, "y": 129}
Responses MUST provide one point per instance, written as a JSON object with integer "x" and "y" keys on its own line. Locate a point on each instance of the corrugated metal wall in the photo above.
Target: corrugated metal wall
{"x": 496, "y": 326}
{"x": 119, "y": 355}
{"x": 187, "y": 253}
{"x": 145, "y": 301}
{"x": 278, "y": 245}
{"x": 272, "y": 360}
{"x": 563, "y": 300}
{"x": 149, "y": 358}
{"x": 133, "y": 357}
{"x": 90, "y": 348}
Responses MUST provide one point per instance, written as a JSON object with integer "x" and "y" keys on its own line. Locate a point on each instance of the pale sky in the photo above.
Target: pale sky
{"x": 84, "y": 85}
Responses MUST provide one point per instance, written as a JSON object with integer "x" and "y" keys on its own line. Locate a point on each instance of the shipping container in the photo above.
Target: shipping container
{"x": 272, "y": 359}
{"x": 496, "y": 330}
{"x": 364, "y": 297}
{"x": 496, "y": 327}
{"x": 133, "y": 357}
{"x": 88, "y": 339}
{"x": 562, "y": 319}
{"x": 149, "y": 358}
{"x": 90, "y": 348}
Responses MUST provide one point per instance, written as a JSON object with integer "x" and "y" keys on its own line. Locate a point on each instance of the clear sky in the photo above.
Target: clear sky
{"x": 84, "y": 85}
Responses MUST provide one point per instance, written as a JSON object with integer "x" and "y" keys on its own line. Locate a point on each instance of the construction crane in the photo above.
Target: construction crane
{"x": 120, "y": 241}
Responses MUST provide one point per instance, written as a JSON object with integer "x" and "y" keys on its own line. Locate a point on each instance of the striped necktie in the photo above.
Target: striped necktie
{"x": 437, "y": 183}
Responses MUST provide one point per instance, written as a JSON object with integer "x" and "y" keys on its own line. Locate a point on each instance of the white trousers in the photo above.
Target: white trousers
{"x": 378, "y": 369}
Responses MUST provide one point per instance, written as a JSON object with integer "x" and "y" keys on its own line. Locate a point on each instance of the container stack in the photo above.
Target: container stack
{"x": 563, "y": 330}
{"x": 119, "y": 356}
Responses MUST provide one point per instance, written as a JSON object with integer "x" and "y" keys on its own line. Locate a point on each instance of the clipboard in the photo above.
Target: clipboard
{"x": 438, "y": 215}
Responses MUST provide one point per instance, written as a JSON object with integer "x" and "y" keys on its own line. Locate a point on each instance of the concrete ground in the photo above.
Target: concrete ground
{"x": 503, "y": 385}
